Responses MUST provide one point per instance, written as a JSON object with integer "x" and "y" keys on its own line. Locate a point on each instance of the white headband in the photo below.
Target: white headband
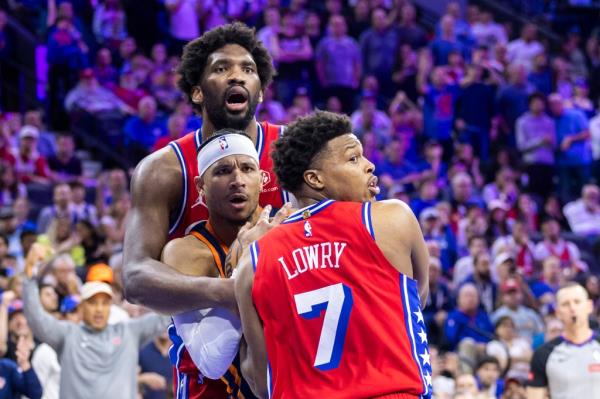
{"x": 224, "y": 146}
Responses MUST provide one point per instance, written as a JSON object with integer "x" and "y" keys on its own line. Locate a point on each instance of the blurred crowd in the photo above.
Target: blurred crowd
{"x": 488, "y": 130}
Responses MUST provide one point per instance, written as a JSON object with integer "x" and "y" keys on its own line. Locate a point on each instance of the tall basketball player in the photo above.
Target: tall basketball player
{"x": 224, "y": 74}
{"x": 330, "y": 299}
{"x": 229, "y": 179}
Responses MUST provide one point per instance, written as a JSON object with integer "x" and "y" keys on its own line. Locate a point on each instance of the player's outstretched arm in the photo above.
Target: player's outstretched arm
{"x": 156, "y": 189}
{"x": 254, "y": 363}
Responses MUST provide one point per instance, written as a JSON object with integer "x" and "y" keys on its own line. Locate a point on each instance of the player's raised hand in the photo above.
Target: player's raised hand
{"x": 252, "y": 232}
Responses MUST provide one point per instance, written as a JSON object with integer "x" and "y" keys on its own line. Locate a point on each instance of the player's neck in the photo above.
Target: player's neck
{"x": 225, "y": 231}
{"x": 577, "y": 334}
{"x": 308, "y": 197}
{"x": 208, "y": 128}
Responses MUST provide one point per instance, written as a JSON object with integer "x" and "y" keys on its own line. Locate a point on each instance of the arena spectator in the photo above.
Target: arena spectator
{"x": 573, "y": 141}
{"x": 46, "y": 142}
{"x": 408, "y": 31}
{"x": 268, "y": 33}
{"x": 11, "y": 188}
{"x": 64, "y": 164}
{"x": 104, "y": 70}
{"x": 377, "y": 43}
{"x": 554, "y": 245}
{"x": 126, "y": 338}
{"x": 488, "y": 32}
{"x": 184, "y": 22}
{"x": 434, "y": 229}
{"x": 481, "y": 278}
{"x": 338, "y": 63}
{"x": 142, "y": 130}
{"x": 30, "y": 166}
{"x": 584, "y": 214}
{"x": 62, "y": 207}
{"x": 82, "y": 209}
{"x": 524, "y": 49}
{"x": 89, "y": 96}
{"x": 527, "y": 322}
{"x": 536, "y": 140}
{"x": 520, "y": 246}
{"x": 155, "y": 367}
{"x": 512, "y": 352}
{"x": 488, "y": 373}
{"x": 446, "y": 43}
{"x": 293, "y": 52}
{"x": 439, "y": 303}
{"x": 465, "y": 265}
{"x": 512, "y": 101}
{"x": 541, "y": 75}
{"x": 468, "y": 321}
{"x": 546, "y": 285}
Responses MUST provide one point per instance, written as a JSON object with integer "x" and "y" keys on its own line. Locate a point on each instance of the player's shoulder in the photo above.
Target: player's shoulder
{"x": 185, "y": 253}
{"x": 391, "y": 207}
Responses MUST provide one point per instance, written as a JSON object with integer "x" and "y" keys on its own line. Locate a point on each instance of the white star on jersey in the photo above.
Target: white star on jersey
{"x": 423, "y": 336}
{"x": 419, "y": 316}
{"x": 427, "y": 378}
{"x": 425, "y": 356}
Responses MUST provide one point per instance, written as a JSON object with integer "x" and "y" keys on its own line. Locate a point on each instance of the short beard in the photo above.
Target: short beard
{"x": 221, "y": 119}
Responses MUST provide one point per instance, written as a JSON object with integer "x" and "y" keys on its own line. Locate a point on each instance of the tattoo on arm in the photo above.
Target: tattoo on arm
{"x": 233, "y": 257}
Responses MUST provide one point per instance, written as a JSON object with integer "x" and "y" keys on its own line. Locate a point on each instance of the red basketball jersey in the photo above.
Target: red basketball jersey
{"x": 339, "y": 320}
{"x": 192, "y": 209}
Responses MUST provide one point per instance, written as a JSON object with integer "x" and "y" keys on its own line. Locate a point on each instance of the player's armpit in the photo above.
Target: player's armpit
{"x": 536, "y": 393}
{"x": 254, "y": 362}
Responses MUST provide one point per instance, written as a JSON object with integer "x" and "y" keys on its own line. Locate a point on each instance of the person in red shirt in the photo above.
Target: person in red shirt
{"x": 30, "y": 166}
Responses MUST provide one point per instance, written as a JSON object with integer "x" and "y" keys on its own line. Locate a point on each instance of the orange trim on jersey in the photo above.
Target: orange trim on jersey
{"x": 210, "y": 229}
{"x": 213, "y": 250}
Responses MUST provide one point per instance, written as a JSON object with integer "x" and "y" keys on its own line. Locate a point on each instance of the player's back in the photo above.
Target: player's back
{"x": 339, "y": 320}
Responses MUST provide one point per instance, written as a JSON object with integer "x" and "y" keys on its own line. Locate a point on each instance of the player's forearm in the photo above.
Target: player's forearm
{"x": 159, "y": 287}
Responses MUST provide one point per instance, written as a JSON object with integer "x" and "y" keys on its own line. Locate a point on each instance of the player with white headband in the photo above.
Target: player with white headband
{"x": 229, "y": 182}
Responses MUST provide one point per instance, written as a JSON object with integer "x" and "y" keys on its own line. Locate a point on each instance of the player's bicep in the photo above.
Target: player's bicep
{"x": 155, "y": 189}
{"x": 254, "y": 364}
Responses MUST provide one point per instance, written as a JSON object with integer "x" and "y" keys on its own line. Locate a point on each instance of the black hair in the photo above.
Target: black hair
{"x": 196, "y": 53}
{"x": 487, "y": 360}
{"x": 536, "y": 95}
{"x": 303, "y": 140}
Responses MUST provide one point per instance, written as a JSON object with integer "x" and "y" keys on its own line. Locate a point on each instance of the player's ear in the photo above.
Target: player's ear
{"x": 199, "y": 182}
{"x": 260, "y": 96}
{"x": 313, "y": 179}
{"x": 197, "y": 95}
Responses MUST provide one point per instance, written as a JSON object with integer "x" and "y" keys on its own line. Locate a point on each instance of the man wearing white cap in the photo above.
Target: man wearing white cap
{"x": 98, "y": 360}
{"x": 206, "y": 341}
{"x": 30, "y": 165}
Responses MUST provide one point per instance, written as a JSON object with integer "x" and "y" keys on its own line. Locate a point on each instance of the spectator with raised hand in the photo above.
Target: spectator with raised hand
{"x": 574, "y": 147}
{"x": 110, "y": 23}
{"x": 108, "y": 353}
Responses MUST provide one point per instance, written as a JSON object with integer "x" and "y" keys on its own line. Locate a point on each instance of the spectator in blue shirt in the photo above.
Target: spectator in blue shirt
{"x": 446, "y": 43}
{"x": 395, "y": 169}
{"x": 142, "y": 130}
{"x": 574, "y": 148}
{"x": 435, "y": 230}
{"x": 438, "y": 109}
{"x": 468, "y": 320}
{"x": 378, "y": 45}
{"x": 541, "y": 76}
{"x": 427, "y": 196}
{"x": 513, "y": 100}
{"x": 156, "y": 371}
{"x": 439, "y": 303}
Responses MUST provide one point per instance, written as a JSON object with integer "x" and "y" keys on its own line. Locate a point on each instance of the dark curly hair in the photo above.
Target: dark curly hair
{"x": 196, "y": 53}
{"x": 303, "y": 140}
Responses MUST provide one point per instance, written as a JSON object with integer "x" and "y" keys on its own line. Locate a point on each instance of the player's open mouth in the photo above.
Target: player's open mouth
{"x": 236, "y": 99}
{"x": 238, "y": 200}
{"x": 373, "y": 187}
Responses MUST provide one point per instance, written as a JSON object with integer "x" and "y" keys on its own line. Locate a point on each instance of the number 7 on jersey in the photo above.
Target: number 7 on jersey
{"x": 337, "y": 302}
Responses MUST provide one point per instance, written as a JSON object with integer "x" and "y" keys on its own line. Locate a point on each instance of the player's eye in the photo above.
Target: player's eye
{"x": 354, "y": 159}
{"x": 248, "y": 69}
{"x": 220, "y": 69}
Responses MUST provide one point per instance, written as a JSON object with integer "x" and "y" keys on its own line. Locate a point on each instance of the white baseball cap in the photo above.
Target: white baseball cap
{"x": 92, "y": 288}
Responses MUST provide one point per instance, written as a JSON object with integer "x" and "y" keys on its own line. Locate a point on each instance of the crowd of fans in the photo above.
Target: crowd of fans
{"x": 486, "y": 130}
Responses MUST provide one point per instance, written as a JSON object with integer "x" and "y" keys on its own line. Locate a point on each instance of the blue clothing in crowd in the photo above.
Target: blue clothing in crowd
{"x": 438, "y": 112}
{"x": 142, "y": 133}
{"x": 460, "y": 325}
{"x": 14, "y": 383}
{"x": 572, "y": 122}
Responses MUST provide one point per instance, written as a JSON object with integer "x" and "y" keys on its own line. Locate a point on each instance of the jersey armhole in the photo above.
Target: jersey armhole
{"x": 366, "y": 219}
{"x": 254, "y": 254}
{"x": 181, "y": 210}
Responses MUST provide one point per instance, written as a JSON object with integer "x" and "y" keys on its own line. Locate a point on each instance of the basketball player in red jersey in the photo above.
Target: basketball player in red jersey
{"x": 230, "y": 180}
{"x": 330, "y": 299}
{"x": 223, "y": 73}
